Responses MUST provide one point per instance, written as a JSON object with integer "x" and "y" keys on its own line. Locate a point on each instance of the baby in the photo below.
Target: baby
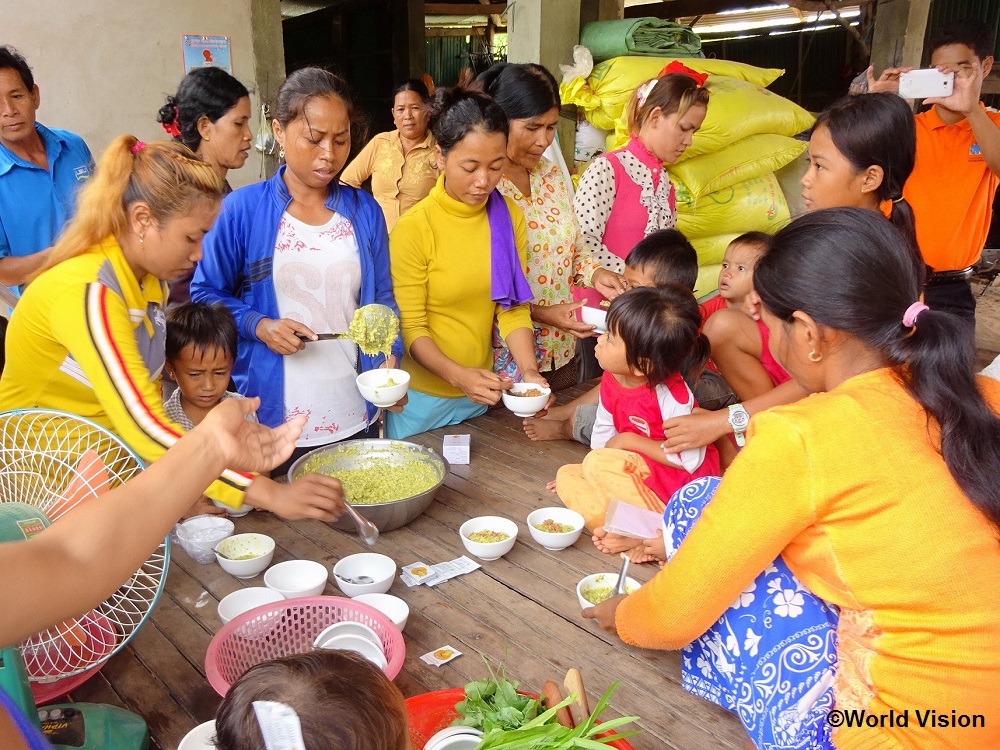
{"x": 201, "y": 350}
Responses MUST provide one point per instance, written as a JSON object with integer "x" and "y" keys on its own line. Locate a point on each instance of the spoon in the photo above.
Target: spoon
{"x": 366, "y": 529}
{"x": 620, "y": 586}
{"x": 357, "y": 580}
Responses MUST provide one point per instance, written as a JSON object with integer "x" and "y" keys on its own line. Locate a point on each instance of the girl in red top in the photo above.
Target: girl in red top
{"x": 651, "y": 343}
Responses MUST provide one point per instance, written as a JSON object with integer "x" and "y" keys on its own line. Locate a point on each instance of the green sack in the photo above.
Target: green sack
{"x": 639, "y": 36}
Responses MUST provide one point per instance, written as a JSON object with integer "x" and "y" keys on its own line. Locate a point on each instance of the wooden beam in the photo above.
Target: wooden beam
{"x": 464, "y": 9}
{"x": 683, "y": 8}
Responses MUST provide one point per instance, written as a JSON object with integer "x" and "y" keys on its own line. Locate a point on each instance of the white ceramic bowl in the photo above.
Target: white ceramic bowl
{"x": 294, "y": 578}
{"x": 380, "y": 568}
{"x": 376, "y": 390}
{"x": 347, "y": 627}
{"x": 199, "y": 535}
{"x": 199, "y": 738}
{"x": 601, "y": 580}
{"x": 555, "y": 540}
{"x": 455, "y": 738}
{"x": 258, "y": 548}
{"x": 234, "y": 512}
{"x": 525, "y": 406}
{"x": 243, "y": 600}
{"x": 391, "y": 606}
{"x": 358, "y": 644}
{"x": 596, "y": 317}
{"x": 489, "y": 550}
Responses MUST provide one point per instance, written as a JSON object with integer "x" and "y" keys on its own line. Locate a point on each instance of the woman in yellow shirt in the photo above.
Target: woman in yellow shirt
{"x": 878, "y": 491}
{"x": 457, "y": 261}
{"x": 88, "y": 335}
{"x": 401, "y": 163}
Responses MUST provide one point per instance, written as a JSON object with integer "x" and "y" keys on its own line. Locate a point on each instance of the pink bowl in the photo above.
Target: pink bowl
{"x": 290, "y": 627}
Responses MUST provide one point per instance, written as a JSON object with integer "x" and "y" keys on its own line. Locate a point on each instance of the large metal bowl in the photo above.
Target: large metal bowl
{"x": 346, "y": 455}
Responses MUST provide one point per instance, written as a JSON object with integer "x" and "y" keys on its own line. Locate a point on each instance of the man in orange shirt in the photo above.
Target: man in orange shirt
{"x": 956, "y": 173}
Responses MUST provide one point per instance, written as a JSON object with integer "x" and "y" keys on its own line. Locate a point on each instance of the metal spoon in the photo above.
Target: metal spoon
{"x": 357, "y": 580}
{"x": 620, "y": 586}
{"x": 366, "y": 529}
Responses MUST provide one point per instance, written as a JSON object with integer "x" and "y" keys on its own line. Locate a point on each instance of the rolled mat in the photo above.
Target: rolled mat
{"x": 639, "y": 36}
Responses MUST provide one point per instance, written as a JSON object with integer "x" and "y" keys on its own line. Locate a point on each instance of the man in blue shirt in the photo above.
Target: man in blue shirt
{"x": 41, "y": 170}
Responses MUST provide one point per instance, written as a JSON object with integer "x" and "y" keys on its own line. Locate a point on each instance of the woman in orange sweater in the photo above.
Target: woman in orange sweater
{"x": 878, "y": 490}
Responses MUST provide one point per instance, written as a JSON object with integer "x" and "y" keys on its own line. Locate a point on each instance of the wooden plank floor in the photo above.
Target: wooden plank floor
{"x": 521, "y": 609}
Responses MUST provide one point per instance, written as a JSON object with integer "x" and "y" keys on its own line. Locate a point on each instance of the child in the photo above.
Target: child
{"x": 736, "y": 275}
{"x": 200, "y": 352}
{"x": 342, "y": 702}
{"x": 652, "y": 334}
{"x": 664, "y": 257}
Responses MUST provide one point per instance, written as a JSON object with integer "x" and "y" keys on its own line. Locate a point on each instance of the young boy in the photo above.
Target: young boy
{"x": 200, "y": 352}
{"x": 736, "y": 275}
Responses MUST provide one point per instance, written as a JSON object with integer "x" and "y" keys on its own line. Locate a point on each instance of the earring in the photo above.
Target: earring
{"x": 142, "y": 240}
{"x": 281, "y": 153}
{"x": 815, "y": 356}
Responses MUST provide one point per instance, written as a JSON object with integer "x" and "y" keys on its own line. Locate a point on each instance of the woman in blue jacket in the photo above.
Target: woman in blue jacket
{"x": 294, "y": 257}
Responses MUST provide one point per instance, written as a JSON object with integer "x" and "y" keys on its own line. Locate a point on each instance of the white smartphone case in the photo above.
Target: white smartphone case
{"x": 920, "y": 84}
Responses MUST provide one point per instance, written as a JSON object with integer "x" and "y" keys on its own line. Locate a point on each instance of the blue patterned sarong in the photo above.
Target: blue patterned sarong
{"x": 772, "y": 656}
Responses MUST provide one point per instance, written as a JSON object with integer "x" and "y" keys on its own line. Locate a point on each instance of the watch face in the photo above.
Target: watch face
{"x": 739, "y": 419}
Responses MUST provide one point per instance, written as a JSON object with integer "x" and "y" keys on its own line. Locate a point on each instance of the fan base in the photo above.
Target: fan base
{"x": 91, "y": 726}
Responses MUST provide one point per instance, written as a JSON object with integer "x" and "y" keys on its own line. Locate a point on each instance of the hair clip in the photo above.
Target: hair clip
{"x": 910, "y": 316}
{"x": 280, "y": 727}
{"x": 642, "y": 93}
{"x": 137, "y": 147}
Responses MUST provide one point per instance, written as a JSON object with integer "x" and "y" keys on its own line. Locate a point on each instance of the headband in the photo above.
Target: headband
{"x": 910, "y": 316}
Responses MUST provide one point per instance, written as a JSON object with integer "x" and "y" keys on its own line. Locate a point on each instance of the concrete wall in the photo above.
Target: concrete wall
{"x": 104, "y": 67}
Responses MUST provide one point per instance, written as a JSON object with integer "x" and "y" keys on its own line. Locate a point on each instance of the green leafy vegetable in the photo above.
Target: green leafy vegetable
{"x": 494, "y": 703}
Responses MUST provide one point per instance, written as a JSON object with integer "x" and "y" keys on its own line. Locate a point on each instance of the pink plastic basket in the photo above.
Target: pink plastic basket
{"x": 290, "y": 627}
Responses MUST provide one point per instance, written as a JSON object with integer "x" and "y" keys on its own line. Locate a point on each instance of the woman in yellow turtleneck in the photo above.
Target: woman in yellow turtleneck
{"x": 457, "y": 261}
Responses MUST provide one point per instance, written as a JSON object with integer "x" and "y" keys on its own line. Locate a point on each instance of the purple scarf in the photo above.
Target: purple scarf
{"x": 507, "y": 283}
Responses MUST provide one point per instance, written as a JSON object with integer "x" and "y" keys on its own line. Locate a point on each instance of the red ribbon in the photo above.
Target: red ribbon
{"x": 172, "y": 128}
{"x": 678, "y": 67}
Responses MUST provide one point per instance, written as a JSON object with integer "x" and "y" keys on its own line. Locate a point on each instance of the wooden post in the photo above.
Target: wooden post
{"x": 900, "y": 26}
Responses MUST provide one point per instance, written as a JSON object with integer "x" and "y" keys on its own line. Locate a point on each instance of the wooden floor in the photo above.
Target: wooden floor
{"x": 521, "y": 609}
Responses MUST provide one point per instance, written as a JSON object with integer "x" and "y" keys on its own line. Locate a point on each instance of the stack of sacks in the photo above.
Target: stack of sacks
{"x": 725, "y": 180}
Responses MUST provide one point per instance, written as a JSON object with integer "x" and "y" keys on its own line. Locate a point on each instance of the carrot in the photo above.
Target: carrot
{"x": 552, "y": 696}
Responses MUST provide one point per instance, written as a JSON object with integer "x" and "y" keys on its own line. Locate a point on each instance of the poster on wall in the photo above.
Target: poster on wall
{"x": 206, "y": 52}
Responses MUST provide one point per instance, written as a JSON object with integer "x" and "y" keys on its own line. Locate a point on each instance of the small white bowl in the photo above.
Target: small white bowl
{"x": 470, "y": 739}
{"x": 489, "y": 550}
{"x": 596, "y": 317}
{"x": 234, "y": 512}
{"x": 347, "y": 627}
{"x": 526, "y": 406}
{"x": 555, "y": 541}
{"x": 243, "y": 600}
{"x": 391, "y": 606}
{"x": 259, "y": 547}
{"x": 601, "y": 580}
{"x": 380, "y": 568}
{"x": 199, "y": 738}
{"x": 294, "y": 578}
{"x": 358, "y": 644}
{"x": 199, "y": 535}
{"x": 374, "y": 386}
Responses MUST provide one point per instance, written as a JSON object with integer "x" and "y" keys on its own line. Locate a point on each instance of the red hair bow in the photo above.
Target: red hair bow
{"x": 678, "y": 67}
{"x": 171, "y": 128}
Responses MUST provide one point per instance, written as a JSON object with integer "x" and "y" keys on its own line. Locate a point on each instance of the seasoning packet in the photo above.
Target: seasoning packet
{"x": 417, "y": 573}
{"x": 441, "y": 656}
{"x": 447, "y": 570}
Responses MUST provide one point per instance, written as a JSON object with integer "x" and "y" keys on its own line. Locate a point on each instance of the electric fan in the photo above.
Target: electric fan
{"x": 49, "y": 463}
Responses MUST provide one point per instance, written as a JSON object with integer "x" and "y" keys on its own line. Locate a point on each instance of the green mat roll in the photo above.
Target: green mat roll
{"x": 639, "y": 36}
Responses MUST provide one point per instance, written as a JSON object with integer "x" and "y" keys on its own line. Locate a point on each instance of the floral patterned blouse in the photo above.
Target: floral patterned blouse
{"x": 557, "y": 258}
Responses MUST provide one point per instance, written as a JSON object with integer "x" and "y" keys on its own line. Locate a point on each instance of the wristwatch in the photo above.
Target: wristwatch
{"x": 738, "y": 420}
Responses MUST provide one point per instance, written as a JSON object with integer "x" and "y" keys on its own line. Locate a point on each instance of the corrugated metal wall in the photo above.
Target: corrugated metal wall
{"x": 446, "y": 56}
{"x": 943, "y": 11}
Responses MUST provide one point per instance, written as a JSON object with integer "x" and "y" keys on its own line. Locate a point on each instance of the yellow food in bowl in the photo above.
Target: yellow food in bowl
{"x": 486, "y": 536}
{"x": 553, "y": 527}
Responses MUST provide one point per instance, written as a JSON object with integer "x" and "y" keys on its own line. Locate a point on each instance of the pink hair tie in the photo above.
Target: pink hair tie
{"x": 910, "y": 316}
{"x": 137, "y": 147}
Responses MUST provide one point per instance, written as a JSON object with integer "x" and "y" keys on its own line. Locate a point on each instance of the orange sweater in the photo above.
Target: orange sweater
{"x": 848, "y": 487}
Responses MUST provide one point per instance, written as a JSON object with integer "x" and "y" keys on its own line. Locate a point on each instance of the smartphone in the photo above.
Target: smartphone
{"x": 919, "y": 84}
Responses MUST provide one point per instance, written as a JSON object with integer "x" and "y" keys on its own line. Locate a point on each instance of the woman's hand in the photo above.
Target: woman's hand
{"x": 310, "y": 496}
{"x": 249, "y": 446}
{"x": 282, "y": 336}
{"x": 563, "y": 317}
{"x": 608, "y": 283}
{"x": 481, "y": 386}
{"x": 532, "y": 376}
{"x": 697, "y": 429}
{"x": 604, "y": 613}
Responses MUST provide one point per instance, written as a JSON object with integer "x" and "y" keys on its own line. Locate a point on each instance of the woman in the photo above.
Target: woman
{"x": 861, "y": 151}
{"x": 457, "y": 268}
{"x": 401, "y": 164}
{"x": 850, "y": 487}
{"x": 88, "y": 337}
{"x": 558, "y": 258}
{"x": 294, "y": 257}
{"x": 210, "y": 114}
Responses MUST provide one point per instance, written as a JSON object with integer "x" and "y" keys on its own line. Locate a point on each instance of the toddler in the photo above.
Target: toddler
{"x": 340, "y": 700}
{"x": 651, "y": 344}
{"x": 200, "y": 352}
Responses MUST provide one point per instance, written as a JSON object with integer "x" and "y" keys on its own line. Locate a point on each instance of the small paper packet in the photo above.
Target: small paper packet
{"x": 441, "y": 656}
{"x": 417, "y": 573}
{"x": 631, "y": 521}
{"x": 447, "y": 570}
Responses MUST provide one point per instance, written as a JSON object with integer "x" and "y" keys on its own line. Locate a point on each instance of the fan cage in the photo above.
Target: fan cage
{"x": 40, "y": 453}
